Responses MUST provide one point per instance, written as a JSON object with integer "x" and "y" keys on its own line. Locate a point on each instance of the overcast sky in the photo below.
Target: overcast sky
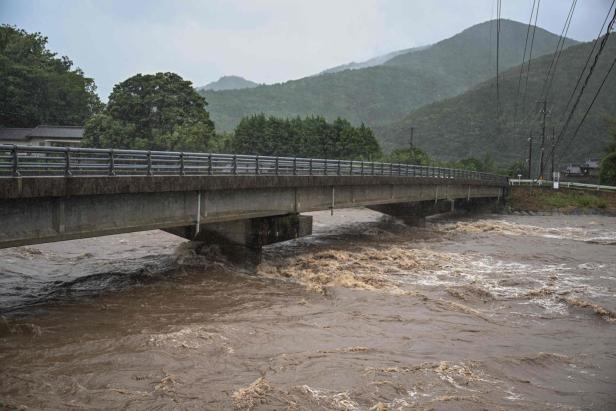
{"x": 265, "y": 41}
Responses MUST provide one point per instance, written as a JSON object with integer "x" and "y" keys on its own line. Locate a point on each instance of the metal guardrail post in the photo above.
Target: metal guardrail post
{"x": 15, "y": 155}
{"x": 234, "y": 164}
{"x": 362, "y": 167}
{"x": 182, "y": 163}
{"x": 325, "y": 166}
{"x": 67, "y": 165}
{"x": 149, "y": 157}
{"x": 351, "y": 171}
{"x": 339, "y": 171}
{"x": 310, "y": 167}
{"x": 276, "y": 164}
{"x": 257, "y": 165}
{"x": 209, "y": 164}
{"x": 111, "y": 163}
{"x": 294, "y": 166}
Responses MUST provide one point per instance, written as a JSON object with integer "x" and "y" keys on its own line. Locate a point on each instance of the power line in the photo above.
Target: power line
{"x": 594, "y": 45}
{"x": 559, "y": 48}
{"x": 498, "y": 19}
{"x": 591, "y": 104}
{"x": 550, "y": 73}
{"x": 517, "y": 96}
{"x": 583, "y": 88}
{"x": 530, "y": 54}
{"x": 590, "y": 71}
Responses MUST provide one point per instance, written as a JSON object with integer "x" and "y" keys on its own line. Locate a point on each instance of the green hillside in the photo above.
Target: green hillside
{"x": 375, "y": 61}
{"x": 466, "y": 126}
{"x": 385, "y": 93}
{"x": 228, "y": 83}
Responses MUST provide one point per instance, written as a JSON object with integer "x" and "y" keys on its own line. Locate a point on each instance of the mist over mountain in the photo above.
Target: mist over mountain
{"x": 228, "y": 83}
{"x": 385, "y": 93}
{"x": 375, "y": 61}
{"x": 467, "y": 126}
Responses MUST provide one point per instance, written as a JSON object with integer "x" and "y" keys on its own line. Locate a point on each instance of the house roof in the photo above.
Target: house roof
{"x": 42, "y": 131}
{"x": 14, "y": 133}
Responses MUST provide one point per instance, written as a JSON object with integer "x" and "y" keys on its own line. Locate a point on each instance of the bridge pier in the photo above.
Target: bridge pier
{"x": 242, "y": 240}
{"x": 414, "y": 214}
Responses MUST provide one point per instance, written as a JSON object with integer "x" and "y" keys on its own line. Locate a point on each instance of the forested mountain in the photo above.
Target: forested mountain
{"x": 385, "y": 93}
{"x": 375, "y": 61}
{"x": 466, "y": 125}
{"x": 229, "y": 83}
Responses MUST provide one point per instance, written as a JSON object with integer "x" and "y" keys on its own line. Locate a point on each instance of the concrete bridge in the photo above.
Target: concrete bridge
{"x": 241, "y": 202}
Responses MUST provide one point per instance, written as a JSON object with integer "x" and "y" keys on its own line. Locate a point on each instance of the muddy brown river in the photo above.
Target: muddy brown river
{"x": 485, "y": 312}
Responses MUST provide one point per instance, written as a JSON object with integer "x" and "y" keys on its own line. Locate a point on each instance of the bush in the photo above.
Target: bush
{"x": 607, "y": 174}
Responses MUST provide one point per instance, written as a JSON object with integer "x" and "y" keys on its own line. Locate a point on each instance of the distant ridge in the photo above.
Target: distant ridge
{"x": 385, "y": 93}
{"x": 375, "y": 61}
{"x": 229, "y": 83}
{"x": 466, "y": 126}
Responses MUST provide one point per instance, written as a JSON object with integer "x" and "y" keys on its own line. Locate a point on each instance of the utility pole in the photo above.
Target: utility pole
{"x": 544, "y": 111}
{"x": 553, "y": 149}
{"x": 530, "y": 156}
{"x": 411, "y": 147}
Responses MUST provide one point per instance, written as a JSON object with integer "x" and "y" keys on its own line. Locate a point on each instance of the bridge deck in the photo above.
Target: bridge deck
{"x": 42, "y": 202}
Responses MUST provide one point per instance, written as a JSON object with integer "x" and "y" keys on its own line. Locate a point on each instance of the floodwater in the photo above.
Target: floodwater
{"x": 483, "y": 312}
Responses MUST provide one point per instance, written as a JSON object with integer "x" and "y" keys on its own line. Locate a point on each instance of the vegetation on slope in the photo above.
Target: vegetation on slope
{"x": 375, "y": 61}
{"x": 37, "y": 87}
{"x": 229, "y": 83}
{"x": 303, "y": 137}
{"x": 467, "y": 126}
{"x": 385, "y": 93}
{"x": 523, "y": 198}
{"x": 607, "y": 172}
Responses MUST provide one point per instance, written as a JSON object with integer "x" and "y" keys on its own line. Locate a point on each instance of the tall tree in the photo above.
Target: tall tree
{"x": 158, "y": 111}
{"x": 37, "y": 87}
{"x": 304, "y": 137}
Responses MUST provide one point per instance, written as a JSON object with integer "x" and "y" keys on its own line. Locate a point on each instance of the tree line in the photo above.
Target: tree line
{"x": 162, "y": 111}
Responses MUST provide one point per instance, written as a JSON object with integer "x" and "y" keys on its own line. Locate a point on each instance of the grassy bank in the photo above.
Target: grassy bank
{"x": 523, "y": 198}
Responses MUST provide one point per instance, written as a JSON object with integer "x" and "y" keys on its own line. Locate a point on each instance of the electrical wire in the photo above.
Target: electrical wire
{"x": 517, "y": 96}
{"x": 559, "y": 48}
{"x": 594, "y": 45}
{"x": 590, "y": 106}
{"x": 583, "y": 88}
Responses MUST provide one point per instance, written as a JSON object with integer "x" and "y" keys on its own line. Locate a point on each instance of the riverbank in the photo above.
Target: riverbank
{"x": 564, "y": 200}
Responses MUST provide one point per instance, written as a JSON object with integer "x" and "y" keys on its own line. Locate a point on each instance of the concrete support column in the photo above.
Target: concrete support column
{"x": 414, "y": 213}
{"x": 242, "y": 240}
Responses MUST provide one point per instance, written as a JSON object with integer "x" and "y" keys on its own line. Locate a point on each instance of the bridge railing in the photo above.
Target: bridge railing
{"x": 16, "y": 161}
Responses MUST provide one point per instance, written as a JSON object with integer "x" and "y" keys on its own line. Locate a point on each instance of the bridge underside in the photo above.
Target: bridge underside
{"x": 39, "y": 210}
